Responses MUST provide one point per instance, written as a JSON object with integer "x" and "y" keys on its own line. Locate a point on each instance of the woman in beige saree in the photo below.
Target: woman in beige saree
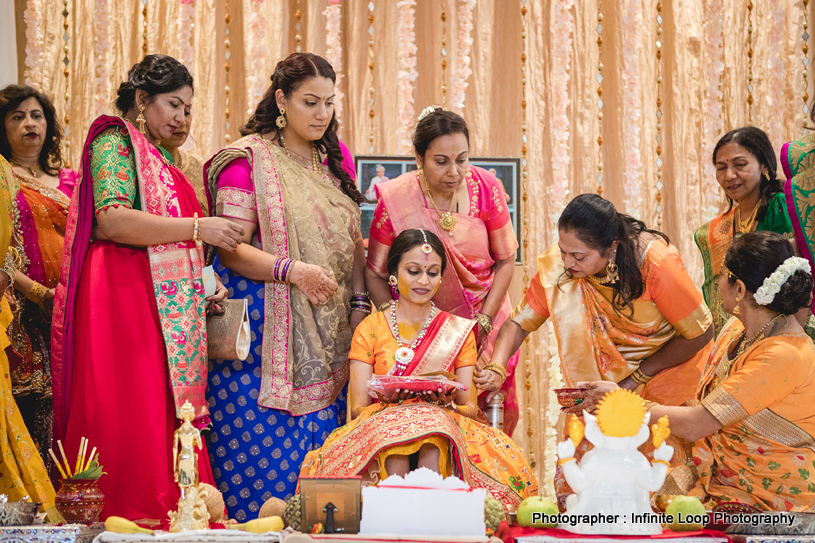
{"x": 299, "y": 268}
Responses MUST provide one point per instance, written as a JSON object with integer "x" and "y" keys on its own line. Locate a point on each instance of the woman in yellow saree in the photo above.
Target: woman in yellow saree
{"x": 746, "y": 170}
{"x": 22, "y": 471}
{"x": 753, "y": 421}
{"x": 437, "y": 429}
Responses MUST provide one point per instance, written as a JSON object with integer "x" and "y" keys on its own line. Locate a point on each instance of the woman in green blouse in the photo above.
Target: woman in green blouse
{"x": 129, "y": 341}
{"x": 746, "y": 170}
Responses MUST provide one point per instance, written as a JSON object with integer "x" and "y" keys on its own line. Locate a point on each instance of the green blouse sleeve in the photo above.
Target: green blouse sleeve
{"x": 113, "y": 169}
{"x": 776, "y": 219}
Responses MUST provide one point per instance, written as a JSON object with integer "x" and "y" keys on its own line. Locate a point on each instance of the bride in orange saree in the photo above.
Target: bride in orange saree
{"x": 435, "y": 430}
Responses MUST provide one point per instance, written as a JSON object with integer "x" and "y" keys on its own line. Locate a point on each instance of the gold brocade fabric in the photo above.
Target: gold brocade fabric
{"x": 305, "y": 217}
{"x": 192, "y": 166}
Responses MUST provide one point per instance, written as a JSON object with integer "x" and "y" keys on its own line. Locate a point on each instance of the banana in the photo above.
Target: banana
{"x": 261, "y": 525}
{"x": 121, "y": 525}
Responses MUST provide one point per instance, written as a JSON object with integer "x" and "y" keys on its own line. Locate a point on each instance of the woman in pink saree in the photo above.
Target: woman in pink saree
{"x": 465, "y": 206}
{"x": 129, "y": 337}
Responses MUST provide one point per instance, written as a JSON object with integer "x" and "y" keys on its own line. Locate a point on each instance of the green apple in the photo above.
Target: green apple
{"x": 536, "y": 504}
{"x": 688, "y": 514}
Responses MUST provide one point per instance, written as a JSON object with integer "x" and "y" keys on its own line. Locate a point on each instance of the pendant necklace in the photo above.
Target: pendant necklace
{"x": 447, "y": 220}
{"x": 315, "y": 155}
{"x": 745, "y": 226}
{"x": 31, "y": 169}
{"x": 404, "y": 355}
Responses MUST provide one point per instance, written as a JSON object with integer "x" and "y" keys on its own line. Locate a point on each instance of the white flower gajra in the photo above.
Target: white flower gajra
{"x": 427, "y": 111}
{"x": 765, "y": 294}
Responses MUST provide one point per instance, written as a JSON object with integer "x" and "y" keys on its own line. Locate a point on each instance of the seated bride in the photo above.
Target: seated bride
{"x": 752, "y": 426}
{"x": 433, "y": 427}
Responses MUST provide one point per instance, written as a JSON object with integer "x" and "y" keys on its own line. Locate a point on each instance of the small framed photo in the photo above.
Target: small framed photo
{"x": 333, "y": 502}
{"x": 374, "y": 169}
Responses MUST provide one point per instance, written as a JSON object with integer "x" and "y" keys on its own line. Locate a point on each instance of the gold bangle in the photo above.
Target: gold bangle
{"x": 648, "y": 405}
{"x": 37, "y": 293}
{"x": 497, "y": 368}
{"x": 640, "y": 377}
{"x": 196, "y": 234}
{"x": 384, "y": 307}
{"x": 566, "y": 460}
{"x": 485, "y": 321}
{"x": 660, "y": 462}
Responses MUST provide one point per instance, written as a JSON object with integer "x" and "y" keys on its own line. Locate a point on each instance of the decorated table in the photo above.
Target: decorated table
{"x": 67, "y": 533}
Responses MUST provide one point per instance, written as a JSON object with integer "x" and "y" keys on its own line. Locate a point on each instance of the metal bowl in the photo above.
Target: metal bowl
{"x": 18, "y": 513}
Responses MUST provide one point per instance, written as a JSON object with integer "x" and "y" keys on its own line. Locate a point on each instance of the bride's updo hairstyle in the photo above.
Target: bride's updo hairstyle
{"x": 755, "y": 256}
{"x": 597, "y": 223}
{"x": 407, "y": 240}
{"x": 288, "y": 76}
{"x": 155, "y": 74}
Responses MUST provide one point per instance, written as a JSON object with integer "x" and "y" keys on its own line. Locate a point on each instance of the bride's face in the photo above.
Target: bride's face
{"x": 419, "y": 275}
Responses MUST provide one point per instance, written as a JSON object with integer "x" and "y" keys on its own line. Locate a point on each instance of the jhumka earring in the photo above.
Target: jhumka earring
{"x": 140, "y": 119}
{"x": 612, "y": 271}
{"x": 392, "y": 280}
{"x": 736, "y": 310}
{"x": 281, "y": 119}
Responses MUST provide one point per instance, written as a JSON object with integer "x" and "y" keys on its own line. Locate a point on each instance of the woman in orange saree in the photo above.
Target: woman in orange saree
{"x": 622, "y": 306}
{"x": 752, "y": 426}
{"x": 30, "y": 135}
{"x": 412, "y": 338}
{"x": 465, "y": 207}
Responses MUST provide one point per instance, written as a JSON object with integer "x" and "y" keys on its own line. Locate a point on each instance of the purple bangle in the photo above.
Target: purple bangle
{"x": 276, "y": 269}
{"x": 284, "y": 275}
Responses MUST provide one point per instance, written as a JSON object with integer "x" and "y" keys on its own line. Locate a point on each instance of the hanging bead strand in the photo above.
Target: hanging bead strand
{"x": 525, "y": 225}
{"x": 659, "y": 116}
{"x": 144, "y": 28}
{"x": 750, "y": 62}
{"x": 599, "y": 98}
{"x": 805, "y": 61}
{"x": 227, "y": 67}
{"x": 371, "y": 100}
{"x": 298, "y": 38}
{"x": 66, "y": 72}
{"x": 443, "y": 56}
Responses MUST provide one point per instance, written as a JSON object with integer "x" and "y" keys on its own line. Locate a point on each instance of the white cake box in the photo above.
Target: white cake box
{"x": 423, "y": 504}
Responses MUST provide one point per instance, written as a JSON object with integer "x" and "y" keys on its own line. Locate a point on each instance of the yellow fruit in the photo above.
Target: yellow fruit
{"x": 262, "y": 525}
{"x": 121, "y": 525}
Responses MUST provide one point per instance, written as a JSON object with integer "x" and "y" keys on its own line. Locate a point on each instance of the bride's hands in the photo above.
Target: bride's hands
{"x": 315, "y": 282}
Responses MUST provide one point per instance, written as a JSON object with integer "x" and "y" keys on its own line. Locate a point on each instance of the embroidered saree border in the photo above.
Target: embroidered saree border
{"x": 443, "y": 351}
{"x": 277, "y": 390}
{"x": 179, "y": 289}
{"x": 724, "y": 407}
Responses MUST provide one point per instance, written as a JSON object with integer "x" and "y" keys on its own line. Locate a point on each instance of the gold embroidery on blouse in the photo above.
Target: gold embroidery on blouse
{"x": 496, "y": 198}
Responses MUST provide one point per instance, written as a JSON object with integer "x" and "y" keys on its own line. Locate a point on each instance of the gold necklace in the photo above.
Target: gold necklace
{"x": 315, "y": 155}
{"x": 746, "y": 226}
{"x": 447, "y": 221}
{"x": 758, "y": 336}
{"x": 32, "y": 169}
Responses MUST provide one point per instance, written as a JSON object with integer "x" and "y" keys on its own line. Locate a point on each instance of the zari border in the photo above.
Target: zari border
{"x": 772, "y": 426}
{"x": 443, "y": 351}
{"x": 724, "y": 407}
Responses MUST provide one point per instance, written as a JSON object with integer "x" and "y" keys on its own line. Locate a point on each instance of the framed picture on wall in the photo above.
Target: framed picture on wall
{"x": 374, "y": 169}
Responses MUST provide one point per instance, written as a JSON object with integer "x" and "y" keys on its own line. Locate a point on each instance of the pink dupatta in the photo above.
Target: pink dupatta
{"x": 175, "y": 269}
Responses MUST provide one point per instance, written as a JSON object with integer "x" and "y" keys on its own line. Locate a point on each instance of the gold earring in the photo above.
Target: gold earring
{"x": 140, "y": 119}
{"x": 281, "y": 119}
{"x": 736, "y": 310}
{"x": 767, "y": 175}
{"x": 392, "y": 280}
{"x": 612, "y": 271}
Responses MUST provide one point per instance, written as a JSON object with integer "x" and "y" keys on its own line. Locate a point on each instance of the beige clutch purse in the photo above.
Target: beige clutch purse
{"x": 228, "y": 335}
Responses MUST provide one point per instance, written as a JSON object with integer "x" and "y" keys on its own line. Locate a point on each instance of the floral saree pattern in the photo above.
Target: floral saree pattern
{"x": 764, "y": 454}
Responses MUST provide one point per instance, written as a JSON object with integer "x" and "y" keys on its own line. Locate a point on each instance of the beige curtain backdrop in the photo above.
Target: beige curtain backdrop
{"x": 493, "y": 98}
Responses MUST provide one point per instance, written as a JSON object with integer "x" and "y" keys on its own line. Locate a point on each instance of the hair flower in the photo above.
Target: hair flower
{"x": 765, "y": 294}
{"x": 427, "y": 111}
